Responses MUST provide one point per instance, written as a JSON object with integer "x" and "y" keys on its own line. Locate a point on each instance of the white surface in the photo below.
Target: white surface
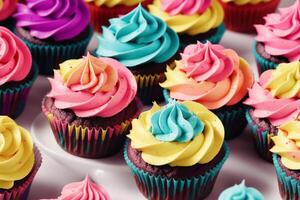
{"x": 112, "y": 173}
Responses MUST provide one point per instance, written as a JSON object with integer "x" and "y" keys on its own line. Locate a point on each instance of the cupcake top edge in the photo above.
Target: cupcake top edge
{"x": 112, "y": 3}
{"x": 177, "y": 134}
{"x": 245, "y": 2}
{"x": 7, "y": 8}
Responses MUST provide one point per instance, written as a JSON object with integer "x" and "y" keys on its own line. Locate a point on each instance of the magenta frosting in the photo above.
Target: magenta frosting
{"x": 57, "y": 19}
{"x": 185, "y": 7}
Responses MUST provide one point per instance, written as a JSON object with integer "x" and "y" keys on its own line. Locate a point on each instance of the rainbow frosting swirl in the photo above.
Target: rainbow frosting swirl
{"x": 16, "y": 153}
{"x": 93, "y": 87}
{"x": 189, "y": 134}
{"x": 138, "y": 38}
{"x": 7, "y": 7}
{"x": 112, "y": 3}
{"x": 209, "y": 74}
{"x": 276, "y": 95}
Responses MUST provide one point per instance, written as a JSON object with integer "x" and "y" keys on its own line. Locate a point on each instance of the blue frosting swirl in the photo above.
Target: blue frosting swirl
{"x": 175, "y": 123}
{"x": 241, "y": 192}
{"x": 138, "y": 38}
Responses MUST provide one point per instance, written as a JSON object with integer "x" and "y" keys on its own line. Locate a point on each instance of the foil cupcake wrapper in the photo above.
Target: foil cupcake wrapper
{"x": 90, "y": 142}
{"x": 158, "y": 187}
{"x": 262, "y": 139}
{"x": 289, "y": 187}
{"x": 21, "y": 191}
{"x": 48, "y": 57}
{"x": 13, "y": 100}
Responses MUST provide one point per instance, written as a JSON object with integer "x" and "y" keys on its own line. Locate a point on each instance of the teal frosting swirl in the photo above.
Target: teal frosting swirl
{"x": 138, "y": 38}
{"x": 175, "y": 123}
{"x": 241, "y": 192}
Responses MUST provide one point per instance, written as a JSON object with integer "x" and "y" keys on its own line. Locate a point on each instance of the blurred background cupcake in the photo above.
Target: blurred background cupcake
{"x": 91, "y": 105}
{"x": 215, "y": 77}
{"x": 7, "y": 8}
{"x": 278, "y": 40}
{"x": 273, "y": 101}
{"x": 17, "y": 74}
{"x": 145, "y": 45}
{"x": 54, "y": 30}
{"x": 176, "y": 151}
{"x": 241, "y": 15}
{"x": 103, "y": 10}
{"x": 193, "y": 20}
{"x": 20, "y": 160}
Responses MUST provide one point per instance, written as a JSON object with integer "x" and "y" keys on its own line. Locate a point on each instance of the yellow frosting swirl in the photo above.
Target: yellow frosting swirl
{"x": 1, "y": 4}
{"x": 16, "y": 153}
{"x": 244, "y": 2}
{"x": 202, "y": 149}
{"x": 284, "y": 81}
{"x": 287, "y": 144}
{"x": 112, "y": 3}
{"x": 191, "y": 24}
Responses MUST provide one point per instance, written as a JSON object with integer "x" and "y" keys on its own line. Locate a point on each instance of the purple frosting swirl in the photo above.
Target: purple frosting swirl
{"x": 57, "y": 19}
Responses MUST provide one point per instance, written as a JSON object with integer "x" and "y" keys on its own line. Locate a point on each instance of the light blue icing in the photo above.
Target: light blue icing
{"x": 175, "y": 123}
{"x": 138, "y": 38}
{"x": 241, "y": 192}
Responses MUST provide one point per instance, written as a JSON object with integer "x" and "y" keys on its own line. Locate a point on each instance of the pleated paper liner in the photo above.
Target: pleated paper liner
{"x": 262, "y": 139}
{"x": 90, "y": 142}
{"x": 289, "y": 186}
{"x": 232, "y": 117}
{"x": 21, "y": 188}
{"x": 156, "y": 187}
{"x": 241, "y": 18}
{"x": 13, "y": 99}
{"x": 48, "y": 57}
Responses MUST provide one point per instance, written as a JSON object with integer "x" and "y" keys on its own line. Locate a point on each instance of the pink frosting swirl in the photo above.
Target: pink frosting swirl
{"x": 278, "y": 111}
{"x": 206, "y": 62}
{"x": 15, "y": 57}
{"x": 185, "y": 7}
{"x": 281, "y": 33}
{"x": 7, "y": 8}
{"x": 92, "y": 86}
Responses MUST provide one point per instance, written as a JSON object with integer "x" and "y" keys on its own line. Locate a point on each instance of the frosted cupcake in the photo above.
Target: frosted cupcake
{"x": 215, "y": 77}
{"x": 91, "y": 105}
{"x": 273, "y": 101}
{"x": 176, "y": 151}
{"x": 7, "y": 7}
{"x": 144, "y": 44}
{"x": 193, "y": 20}
{"x": 54, "y": 30}
{"x": 278, "y": 40}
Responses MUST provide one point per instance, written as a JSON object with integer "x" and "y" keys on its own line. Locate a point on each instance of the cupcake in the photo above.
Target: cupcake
{"x": 7, "y": 7}
{"x": 17, "y": 74}
{"x": 274, "y": 100}
{"x": 286, "y": 159}
{"x": 91, "y": 105}
{"x": 196, "y": 20}
{"x": 103, "y": 10}
{"x": 54, "y": 30}
{"x": 84, "y": 190}
{"x": 215, "y": 77}
{"x": 20, "y": 160}
{"x": 176, "y": 151}
{"x": 241, "y": 192}
{"x": 278, "y": 40}
{"x": 241, "y": 15}
{"x": 144, "y": 44}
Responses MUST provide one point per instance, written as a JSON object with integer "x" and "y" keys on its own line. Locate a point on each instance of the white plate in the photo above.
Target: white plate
{"x": 115, "y": 176}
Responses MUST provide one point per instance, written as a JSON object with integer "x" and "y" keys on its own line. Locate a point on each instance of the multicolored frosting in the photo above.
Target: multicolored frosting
{"x": 241, "y": 192}
{"x": 16, "y": 153}
{"x": 286, "y": 144}
{"x": 138, "y": 38}
{"x": 245, "y": 2}
{"x": 188, "y": 134}
{"x": 276, "y": 95}
{"x": 281, "y": 33}
{"x": 15, "y": 58}
{"x": 209, "y": 74}
{"x": 59, "y": 20}
{"x": 112, "y": 3}
{"x": 93, "y": 86}
{"x": 7, "y": 7}
{"x": 84, "y": 190}
{"x": 189, "y": 17}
